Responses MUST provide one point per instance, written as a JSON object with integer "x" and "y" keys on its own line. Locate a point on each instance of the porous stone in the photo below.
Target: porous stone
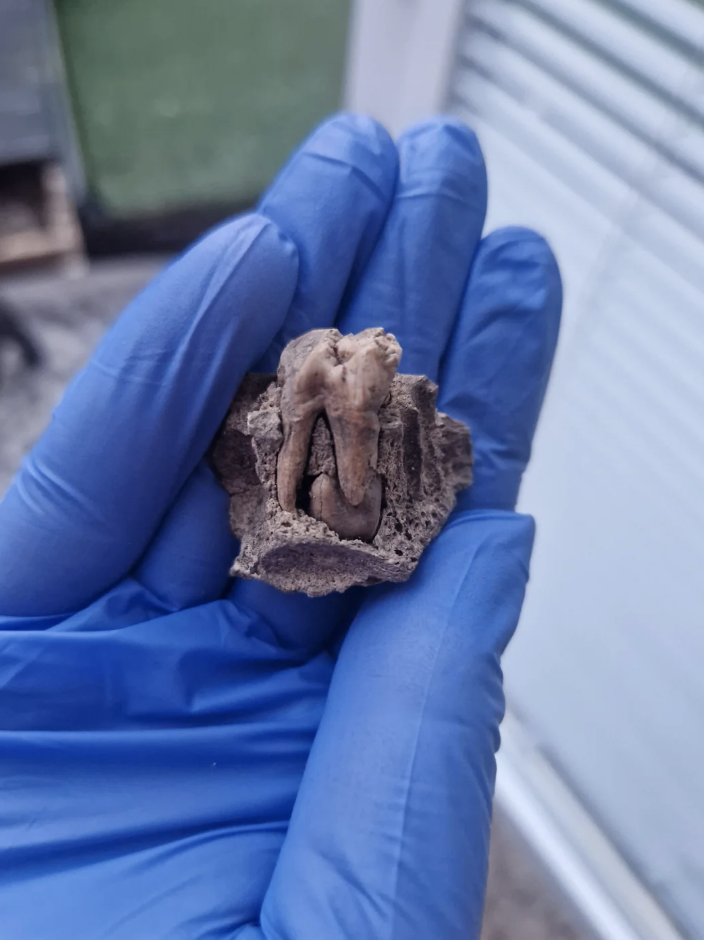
{"x": 412, "y": 470}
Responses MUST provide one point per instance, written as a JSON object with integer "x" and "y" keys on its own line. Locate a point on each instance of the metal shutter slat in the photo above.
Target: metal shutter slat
{"x": 679, "y": 17}
{"x": 607, "y": 39}
{"x": 620, "y": 92}
{"x": 591, "y": 114}
{"x": 657, "y": 48}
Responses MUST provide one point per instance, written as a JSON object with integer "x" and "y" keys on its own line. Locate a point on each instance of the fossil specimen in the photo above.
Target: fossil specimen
{"x": 340, "y": 472}
{"x": 348, "y": 378}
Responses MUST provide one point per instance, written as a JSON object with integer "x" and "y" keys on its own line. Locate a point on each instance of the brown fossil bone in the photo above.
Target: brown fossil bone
{"x": 340, "y": 471}
{"x": 347, "y": 378}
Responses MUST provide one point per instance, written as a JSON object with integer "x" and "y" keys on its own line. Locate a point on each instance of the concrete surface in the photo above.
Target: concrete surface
{"x": 67, "y": 317}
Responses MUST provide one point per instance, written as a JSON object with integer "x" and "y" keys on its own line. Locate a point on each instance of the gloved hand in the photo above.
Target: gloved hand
{"x": 182, "y": 757}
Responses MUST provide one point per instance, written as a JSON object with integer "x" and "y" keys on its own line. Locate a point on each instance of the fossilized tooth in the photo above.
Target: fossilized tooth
{"x": 302, "y": 375}
{"x": 328, "y": 504}
{"x": 356, "y": 390}
{"x": 425, "y": 459}
{"x": 347, "y": 377}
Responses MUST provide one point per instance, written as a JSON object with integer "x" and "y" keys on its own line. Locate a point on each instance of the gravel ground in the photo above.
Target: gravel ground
{"x": 523, "y": 902}
{"x": 66, "y": 316}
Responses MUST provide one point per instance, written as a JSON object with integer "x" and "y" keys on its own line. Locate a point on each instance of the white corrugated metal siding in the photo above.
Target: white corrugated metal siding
{"x": 591, "y": 115}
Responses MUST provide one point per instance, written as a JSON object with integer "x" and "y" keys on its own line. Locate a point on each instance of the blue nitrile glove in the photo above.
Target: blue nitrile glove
{"x": 182, "y": 758}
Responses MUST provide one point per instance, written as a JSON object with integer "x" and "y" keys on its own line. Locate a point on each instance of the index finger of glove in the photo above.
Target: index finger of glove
{"x": 136, "y": 421}
{"x": 331, "y": 200}
{"x": 142, "y": 415}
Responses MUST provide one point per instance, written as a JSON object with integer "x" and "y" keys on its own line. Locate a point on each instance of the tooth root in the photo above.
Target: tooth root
{"x": 328, "y": 504}
{"x": 292, "y": 460}
{"x": 356, "y": 452}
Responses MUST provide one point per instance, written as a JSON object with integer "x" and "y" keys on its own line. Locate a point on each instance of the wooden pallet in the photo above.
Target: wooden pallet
{"x": 38, "y": 220}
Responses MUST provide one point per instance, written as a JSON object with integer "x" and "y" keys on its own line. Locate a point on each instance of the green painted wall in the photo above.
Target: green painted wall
{"x": 185, "y": 102}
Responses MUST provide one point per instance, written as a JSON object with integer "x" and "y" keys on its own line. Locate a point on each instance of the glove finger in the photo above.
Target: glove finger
{"x": 414, "y": 282}
{"x": 345, "y": 179}
{"x": 331, "y": 199}
{"x": 296, "y": 622}
{"x": 189, "y": 559}
{"x": 390, "y": 832}
{"x": 353, "y": 159}
{"x": 137, "y": 420}
{"x": 497, "y": 365}
{"x": 355, "y": 207}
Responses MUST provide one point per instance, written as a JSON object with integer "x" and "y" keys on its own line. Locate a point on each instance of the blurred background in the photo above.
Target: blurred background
{"x": 128, "y": 128}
